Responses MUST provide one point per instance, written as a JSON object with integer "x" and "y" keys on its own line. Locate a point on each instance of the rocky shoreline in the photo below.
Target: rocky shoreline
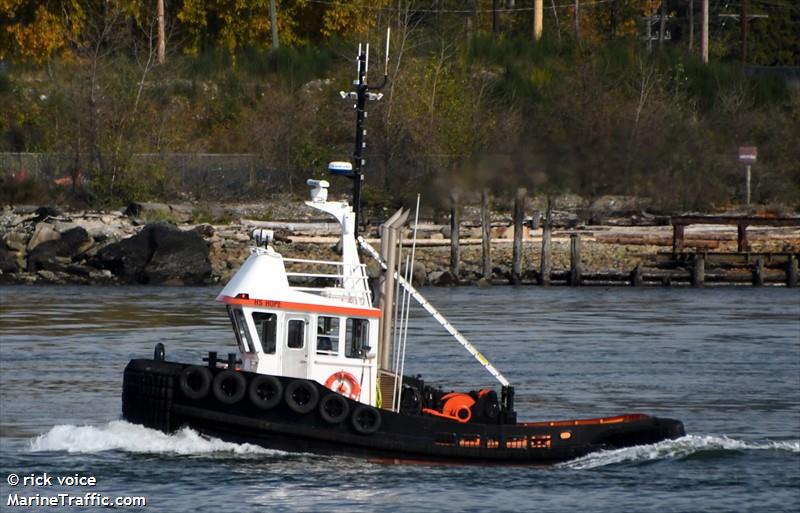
{"x": 134, "y": 246}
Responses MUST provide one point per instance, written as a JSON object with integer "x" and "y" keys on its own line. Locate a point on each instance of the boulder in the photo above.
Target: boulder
{"x": 16, "y": 241}
{"x": 442, "y": 279}
{"x": 42, "y": 233}
{"x": 179, "y": 257}
{"x": 420, "y": 273}
{"x": 43, "y": 213}
{"x": 25, "y": 210}
{"x": 204, "y": 230}
{"x": 159, "y": 254}
{"x": 103, "y": 232}
{"x": 125, "y": 258}
{"x": 8, "y": 260}
{"x": 53, "y": 254}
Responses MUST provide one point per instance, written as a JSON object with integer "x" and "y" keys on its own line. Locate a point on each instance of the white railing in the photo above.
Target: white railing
{"x": 350, "y": 280}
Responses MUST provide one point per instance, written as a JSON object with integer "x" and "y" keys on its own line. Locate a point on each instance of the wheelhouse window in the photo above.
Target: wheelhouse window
{"x": 296, "y": 334}
{"x": 327, "y": 335}
{"x": 267, "y": 330}
{"x": 240, "y": 329}
{"x": 356, "y": 343}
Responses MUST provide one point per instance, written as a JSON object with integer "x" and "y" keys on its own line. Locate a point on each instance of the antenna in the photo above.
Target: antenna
{"x": 361, "y": 95}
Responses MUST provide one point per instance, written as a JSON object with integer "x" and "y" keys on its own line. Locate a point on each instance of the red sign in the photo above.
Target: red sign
{"x": 748, "y": 154}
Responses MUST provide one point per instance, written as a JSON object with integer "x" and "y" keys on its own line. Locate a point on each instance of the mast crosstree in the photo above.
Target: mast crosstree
{"x": 361, "y": 95}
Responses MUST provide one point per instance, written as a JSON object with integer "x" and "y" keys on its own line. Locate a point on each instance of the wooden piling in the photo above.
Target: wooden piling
{"x": 698, "y": 270}
{"x": 516, "y": 256}
{"x": 636, "y": 276}
{"x": 455, "y": 224}
{"x": 575, "y": 260}
{"x": 791, "y": 271}
{"x": 758, "y": 272}
{"x": 741, "y": 238}
{"x": 677, "y": 238}
{"x": 486, "y": 235}
{"x": 546, "y": 262}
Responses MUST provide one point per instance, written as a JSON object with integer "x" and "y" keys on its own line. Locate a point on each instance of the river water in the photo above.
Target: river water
{"x": 726, "y": 361}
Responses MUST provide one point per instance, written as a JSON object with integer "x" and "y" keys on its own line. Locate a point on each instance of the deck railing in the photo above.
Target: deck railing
{"x": 347, "y": 282}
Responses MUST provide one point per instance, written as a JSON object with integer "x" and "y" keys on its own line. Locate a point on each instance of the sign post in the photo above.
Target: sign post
{"x": 748, "y": 156}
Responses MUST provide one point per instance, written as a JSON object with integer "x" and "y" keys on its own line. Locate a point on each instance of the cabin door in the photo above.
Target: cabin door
{"x": 295, "y": 350}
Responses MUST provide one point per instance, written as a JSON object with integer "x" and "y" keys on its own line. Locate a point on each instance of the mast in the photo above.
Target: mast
{"x": 361, "y": 95}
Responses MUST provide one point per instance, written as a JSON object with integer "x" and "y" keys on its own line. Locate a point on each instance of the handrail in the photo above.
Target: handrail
{"x": 322, "y": 275}
{"x": 325, "y": 262}
{"x": 349, "y": 276}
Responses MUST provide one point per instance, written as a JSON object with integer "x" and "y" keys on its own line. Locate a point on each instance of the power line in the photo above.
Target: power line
{"x": 451, "y": 11}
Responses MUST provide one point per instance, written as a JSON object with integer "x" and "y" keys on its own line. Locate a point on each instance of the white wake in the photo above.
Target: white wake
{"x": 678, "y": 448}
{"x": 124, "y": 436}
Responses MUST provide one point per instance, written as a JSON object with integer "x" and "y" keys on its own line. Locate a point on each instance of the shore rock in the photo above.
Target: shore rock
{"x": 42, "y": 233}
{"x": 8, "y": 261}
{"x": 442, "y": 278}
{"x": 158, "y": 254}
{"x": 179, "y": 257}
{"x": 52, "y": 254}
{"x": 43, "y": 213}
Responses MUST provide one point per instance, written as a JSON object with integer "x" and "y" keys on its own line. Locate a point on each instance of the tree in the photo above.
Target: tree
{"x": 37, "y": 30}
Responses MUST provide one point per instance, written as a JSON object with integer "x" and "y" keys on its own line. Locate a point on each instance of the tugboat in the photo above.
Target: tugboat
{"x": 320, "y": 364}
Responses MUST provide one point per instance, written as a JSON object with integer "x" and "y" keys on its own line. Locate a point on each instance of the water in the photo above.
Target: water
{"x": 725, "y": 361}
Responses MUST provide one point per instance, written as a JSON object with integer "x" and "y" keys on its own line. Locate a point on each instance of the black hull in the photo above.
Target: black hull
{"x": 152, "y": 395}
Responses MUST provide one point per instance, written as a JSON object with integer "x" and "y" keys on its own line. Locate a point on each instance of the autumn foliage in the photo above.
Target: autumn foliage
{"x": 472, "y": 101}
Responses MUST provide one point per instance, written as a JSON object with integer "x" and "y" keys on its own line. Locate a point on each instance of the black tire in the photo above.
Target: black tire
{"x": 229, "y": 387}
{"x": 195, "y": 382}
{"x": 301, "y": 396}
{"x": 265, "y": 392}
{"x": 366, "y": 419}
{"x": 333, "y": 408}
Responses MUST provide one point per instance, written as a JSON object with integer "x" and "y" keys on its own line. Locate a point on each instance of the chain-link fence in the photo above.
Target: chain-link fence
{"x": 190, "y": 176}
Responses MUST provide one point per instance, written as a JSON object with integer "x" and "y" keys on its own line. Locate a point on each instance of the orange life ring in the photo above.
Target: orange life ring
{"x": 344, "y": 383}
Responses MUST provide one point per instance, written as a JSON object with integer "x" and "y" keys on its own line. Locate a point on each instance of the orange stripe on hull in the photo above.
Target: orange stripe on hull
{"x": 303, "y": 307}
{"x": 619, "y": 419}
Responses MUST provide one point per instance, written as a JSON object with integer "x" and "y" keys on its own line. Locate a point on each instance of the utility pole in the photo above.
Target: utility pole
{"x": 162, "y": 44}
{"x": 274, "y": 24}
{"x": 704, "y": 33}
{"x": 662, "y": 25}
{"x": 577, "y": 21}
{"x": 495, "y": 21}
{"x": 538, "y": 15}
{"x": 743, "y": 19}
